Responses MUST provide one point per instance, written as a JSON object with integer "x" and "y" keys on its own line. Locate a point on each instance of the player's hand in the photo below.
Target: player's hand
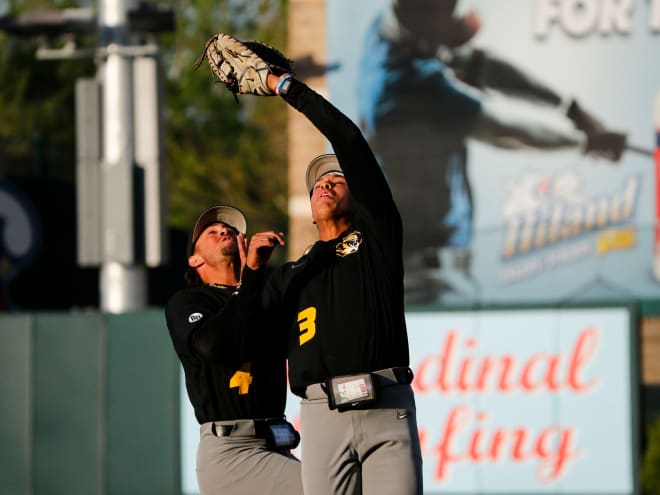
{"x": 606, "y": 144}
{"x": 261, "y": 247}
{"x": 242, "y": 242}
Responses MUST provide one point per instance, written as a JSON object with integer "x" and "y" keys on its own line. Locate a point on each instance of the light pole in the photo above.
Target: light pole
{"x": 120, "y": 169}
{"x": 122, "y": 281}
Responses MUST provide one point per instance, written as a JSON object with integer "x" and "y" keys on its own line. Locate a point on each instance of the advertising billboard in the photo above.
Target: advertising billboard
{"x": 513, "y": 401}
{"x": 519, "y": 139}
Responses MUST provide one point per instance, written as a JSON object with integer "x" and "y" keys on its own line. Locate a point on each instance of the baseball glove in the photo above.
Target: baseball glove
{"x": 243, "y": 66}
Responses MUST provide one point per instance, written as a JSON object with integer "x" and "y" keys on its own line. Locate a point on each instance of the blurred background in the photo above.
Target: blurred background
{"x": 520, "y": 140}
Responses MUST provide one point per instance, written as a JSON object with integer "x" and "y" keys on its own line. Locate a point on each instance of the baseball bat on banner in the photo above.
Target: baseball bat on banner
{"x": 641, "y": 150}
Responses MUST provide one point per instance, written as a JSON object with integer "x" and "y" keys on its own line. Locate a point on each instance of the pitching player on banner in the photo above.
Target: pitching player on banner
{"x": 424, "y": 90}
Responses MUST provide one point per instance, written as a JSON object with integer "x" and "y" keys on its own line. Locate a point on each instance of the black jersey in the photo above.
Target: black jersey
{"x": 229, "y": 373}
{"x": 343, "y": 301}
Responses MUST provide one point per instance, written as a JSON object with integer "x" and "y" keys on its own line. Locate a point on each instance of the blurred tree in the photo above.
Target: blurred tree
{"x": 650, "y": 476}
{"x": 218, "y": 151}
{"x": 215, "y": 150}
{"x": 37, "y": 129}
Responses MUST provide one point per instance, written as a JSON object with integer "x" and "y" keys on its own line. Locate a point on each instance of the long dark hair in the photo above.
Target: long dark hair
{"x": 191, "y": 278}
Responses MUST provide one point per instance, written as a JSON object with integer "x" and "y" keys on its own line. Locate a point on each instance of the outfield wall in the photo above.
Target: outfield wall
{"x": 89, "y": 404}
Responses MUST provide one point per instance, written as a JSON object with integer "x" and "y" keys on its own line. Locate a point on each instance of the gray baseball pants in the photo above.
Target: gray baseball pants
{"x": 240, "y": 463}
{"x": 371, "y": 451}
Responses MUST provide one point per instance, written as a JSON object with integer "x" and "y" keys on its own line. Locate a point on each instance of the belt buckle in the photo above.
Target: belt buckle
{"x": 222, "y": 430}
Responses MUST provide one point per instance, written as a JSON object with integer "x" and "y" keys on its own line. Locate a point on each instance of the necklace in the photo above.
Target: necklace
{"x": 225, "y": 286}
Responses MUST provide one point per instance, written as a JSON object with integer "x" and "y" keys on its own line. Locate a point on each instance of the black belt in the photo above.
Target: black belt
{"x": 278, "y": 433}
{"x": 399, "y": 375}
{"x": 257, "y": 428}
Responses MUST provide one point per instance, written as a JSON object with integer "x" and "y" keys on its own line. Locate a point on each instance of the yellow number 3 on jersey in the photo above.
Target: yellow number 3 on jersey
{"x": 307, "y": 324}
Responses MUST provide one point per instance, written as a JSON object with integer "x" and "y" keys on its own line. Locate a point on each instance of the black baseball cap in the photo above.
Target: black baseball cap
{"x": 226, "y": 214}
{"x": 320, "y": 166}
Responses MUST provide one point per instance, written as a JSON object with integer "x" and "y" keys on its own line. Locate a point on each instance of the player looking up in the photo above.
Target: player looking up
{"x": 236, "y": 385}
{"x": 342, "y": 305}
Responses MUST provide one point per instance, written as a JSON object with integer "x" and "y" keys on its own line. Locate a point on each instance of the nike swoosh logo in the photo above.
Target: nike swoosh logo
{"x": 401, "y": 414}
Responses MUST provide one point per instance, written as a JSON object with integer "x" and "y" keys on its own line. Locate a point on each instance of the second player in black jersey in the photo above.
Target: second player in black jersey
{"x": 236, "y": 383}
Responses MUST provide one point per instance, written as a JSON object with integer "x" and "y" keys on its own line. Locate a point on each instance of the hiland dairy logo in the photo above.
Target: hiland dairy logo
{"x": 546, "y": 210}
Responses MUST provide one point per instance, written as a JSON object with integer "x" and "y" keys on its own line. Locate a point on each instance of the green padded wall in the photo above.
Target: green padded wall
{"x": 69, "y": 374}
{"x": 15, "y": 405}
{"x": 89, "y": 404}
{"x": 143, "y": 380}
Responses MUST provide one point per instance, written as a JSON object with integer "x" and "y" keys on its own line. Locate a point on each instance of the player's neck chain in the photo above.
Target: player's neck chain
{"x": 225, "y": 286}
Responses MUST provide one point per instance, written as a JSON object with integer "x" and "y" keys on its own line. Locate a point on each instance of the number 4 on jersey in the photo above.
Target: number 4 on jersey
{"x": 241, "y": 379}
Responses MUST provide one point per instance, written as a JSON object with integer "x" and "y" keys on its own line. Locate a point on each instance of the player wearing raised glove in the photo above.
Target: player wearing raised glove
{"x": 236, "y": 384}
{"x": 343, "y": 306}
{"x": 243, "y": 66}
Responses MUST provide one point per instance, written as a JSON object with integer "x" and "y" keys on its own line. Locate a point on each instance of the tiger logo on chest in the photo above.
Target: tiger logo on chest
{"x": 349, "y": 244}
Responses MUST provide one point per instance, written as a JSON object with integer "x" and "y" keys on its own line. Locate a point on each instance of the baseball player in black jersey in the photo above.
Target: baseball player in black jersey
{"x": 236, "y": 383}
{"x": 343, "y": 307}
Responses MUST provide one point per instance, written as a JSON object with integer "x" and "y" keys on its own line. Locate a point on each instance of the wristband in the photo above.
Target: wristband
{"x": 283, "y": 85}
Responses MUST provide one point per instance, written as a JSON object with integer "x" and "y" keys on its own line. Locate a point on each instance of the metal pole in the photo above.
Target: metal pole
{"x": 149, "y": 153}
{"x": 122, "y": 280}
